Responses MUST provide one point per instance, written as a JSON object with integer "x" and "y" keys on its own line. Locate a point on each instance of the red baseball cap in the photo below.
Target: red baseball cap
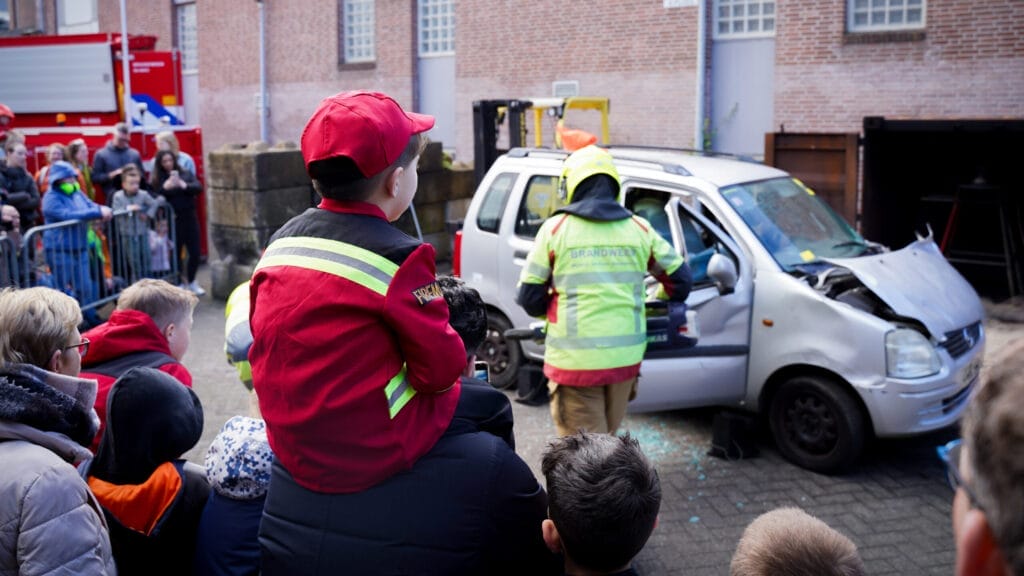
{"x": 368, "y": 127}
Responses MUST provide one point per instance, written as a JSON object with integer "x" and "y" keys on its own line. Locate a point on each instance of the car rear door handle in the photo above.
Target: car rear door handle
{"x": 520, "y": 254}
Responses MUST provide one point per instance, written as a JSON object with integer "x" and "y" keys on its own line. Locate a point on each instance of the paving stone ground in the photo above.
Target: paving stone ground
{"x": 895, "y": 505}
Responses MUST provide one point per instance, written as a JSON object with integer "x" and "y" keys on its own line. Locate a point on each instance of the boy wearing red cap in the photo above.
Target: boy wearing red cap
{"x": 353, "y": 360}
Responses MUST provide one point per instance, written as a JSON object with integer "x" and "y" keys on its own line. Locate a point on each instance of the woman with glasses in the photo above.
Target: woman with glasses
{"x": 49, "y": 521}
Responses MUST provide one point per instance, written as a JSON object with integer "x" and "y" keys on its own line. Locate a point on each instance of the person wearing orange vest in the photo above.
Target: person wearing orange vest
{"x": 585, "y": 273}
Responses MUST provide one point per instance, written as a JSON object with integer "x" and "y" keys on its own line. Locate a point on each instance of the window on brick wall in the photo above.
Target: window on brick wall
{"x": 357, "y": 31}
{"x": 437, "y": 27}
{"x": 744, "y": 18}
{"x": 881, "y": 15}
{"x": 186, "y": 37}
{"x": 77, "y": 17}
{"x": 5, "y": 15}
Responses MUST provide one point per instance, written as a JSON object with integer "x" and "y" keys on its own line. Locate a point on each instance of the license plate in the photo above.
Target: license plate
{"x": 970, "y": 372}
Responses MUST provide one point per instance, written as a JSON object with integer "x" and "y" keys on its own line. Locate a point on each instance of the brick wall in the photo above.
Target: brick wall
{"x": 150, "y": 17}
{"x": 969, "y": 62}
{"x": 302, "y": 64}
{"x": 639, "y": 54}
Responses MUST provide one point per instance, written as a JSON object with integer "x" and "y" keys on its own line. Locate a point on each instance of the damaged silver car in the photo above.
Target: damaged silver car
{"x": 832, "y": 337}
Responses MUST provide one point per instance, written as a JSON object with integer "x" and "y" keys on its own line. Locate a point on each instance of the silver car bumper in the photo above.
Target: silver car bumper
{"x": 906, "y": 407}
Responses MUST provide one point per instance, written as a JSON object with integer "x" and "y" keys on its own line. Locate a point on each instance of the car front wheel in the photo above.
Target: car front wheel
{"x": 817, "y": 424}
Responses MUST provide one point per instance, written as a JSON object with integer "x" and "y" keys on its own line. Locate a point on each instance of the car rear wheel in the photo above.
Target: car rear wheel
{"x": 503, "y": 356}
{"x": 817, "y": 424}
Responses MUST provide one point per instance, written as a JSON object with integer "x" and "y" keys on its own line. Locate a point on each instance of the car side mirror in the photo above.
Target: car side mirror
{"x": 723, "y": 271}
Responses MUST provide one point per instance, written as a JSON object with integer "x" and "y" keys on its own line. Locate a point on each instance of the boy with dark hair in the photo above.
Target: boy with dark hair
{"x": 603, "y": 500}
{"x": 353, "y": 360}
{"x": 152, "y": 326}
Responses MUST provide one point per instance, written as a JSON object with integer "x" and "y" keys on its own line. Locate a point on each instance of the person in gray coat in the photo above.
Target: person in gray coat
{"x": 49, "y": 521}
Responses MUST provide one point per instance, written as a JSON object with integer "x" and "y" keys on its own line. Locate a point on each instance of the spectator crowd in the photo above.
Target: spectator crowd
{"x": 371, "y": 448}
{"x": 95, "y": 253}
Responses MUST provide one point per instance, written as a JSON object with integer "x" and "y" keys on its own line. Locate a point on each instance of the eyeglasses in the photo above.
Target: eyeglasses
{"x": 950, "y": 456}
{"x": 82, "y": 346}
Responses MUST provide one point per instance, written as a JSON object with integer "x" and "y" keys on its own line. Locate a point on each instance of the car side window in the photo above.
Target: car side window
{"x": 539, "y": 202}
{"x": 489, "y": 216}
{"x": 701, "y": 244}
{"x": 650, "y": 205}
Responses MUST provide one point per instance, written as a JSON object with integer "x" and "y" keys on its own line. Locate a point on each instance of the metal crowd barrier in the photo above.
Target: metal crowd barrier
{"x": 93, "y": 260}
{"x": 8, "y": 262}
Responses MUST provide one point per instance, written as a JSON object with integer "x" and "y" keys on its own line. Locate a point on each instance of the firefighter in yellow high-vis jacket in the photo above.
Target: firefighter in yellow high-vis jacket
{"x": 586, "y": 275}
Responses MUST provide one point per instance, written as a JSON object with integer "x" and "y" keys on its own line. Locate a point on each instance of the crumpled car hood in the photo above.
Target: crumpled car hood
{"x": 918, "y": 282}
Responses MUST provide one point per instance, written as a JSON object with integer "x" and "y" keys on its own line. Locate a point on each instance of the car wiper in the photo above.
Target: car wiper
{"x": 850, "y": 243}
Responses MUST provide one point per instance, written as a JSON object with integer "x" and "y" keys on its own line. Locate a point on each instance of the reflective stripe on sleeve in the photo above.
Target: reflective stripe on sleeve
{"x": 399, "y": 392}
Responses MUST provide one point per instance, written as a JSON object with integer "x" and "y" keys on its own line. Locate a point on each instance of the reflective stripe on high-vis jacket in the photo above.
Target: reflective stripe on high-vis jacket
{"x": 358, "y": 265}
{"x": 596, "y": 270}
{"x": 372, "y": 271}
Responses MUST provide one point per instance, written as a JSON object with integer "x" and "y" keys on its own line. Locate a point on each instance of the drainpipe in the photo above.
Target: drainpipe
{"x": 698, "y": 120}
{"x": 263, "y": 73}
{"x": 126, "y": 98}
{"x": 41, "y": 17}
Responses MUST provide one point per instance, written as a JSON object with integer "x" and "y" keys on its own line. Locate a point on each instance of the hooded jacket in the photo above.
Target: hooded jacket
{"x": 578, "y": 353}
{"x": 152, "y": 500}
{"x": 49, "y": 521}
{"x": 470, "y": 506}
{"x": 238, "y": 468}
{"x": 59, "y": 206}
{"x": 128, "y": 339}
{"x": 353, "y": 359}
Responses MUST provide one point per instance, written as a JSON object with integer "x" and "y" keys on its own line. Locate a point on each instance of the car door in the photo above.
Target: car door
{"x": 537, "y": 197}
{"x": 714, "y": 371}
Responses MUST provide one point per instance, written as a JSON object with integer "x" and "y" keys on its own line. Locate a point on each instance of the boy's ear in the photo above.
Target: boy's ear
{"x": 391, "y": 182}
{"x": 169, "y": 330}
{"x": 551, "y": 537}
{"x": 977, "y": 550}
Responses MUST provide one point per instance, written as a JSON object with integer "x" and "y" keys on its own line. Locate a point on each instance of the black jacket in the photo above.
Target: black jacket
{"x": 469, "y": 506}
{"x": 21, "y": 193}
{"x": 183, "y": 200}
{"x": 152, "y": 500}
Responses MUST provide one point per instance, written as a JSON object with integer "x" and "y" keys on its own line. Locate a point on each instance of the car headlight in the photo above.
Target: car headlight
{"x": 908, "y": 354}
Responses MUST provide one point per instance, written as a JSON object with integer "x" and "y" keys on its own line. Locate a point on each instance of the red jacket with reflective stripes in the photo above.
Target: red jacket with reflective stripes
{"x": 326, "y": 344}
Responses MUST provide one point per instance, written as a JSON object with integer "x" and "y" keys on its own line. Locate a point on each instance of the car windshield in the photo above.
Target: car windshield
{"x": 794, "y": 224}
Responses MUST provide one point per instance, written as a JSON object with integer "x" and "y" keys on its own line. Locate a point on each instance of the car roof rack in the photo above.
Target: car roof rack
{"x": 705, "y": 153}
{"x": 556, "y": 154}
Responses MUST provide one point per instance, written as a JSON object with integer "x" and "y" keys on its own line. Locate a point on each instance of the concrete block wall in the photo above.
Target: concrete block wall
{"x": 251, "y": 192}
{"x": 443, "y": 196}
{"x": 967, "y": 62}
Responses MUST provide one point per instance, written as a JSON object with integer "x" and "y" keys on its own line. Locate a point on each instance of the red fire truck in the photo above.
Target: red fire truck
{"x": 71, "y": 86}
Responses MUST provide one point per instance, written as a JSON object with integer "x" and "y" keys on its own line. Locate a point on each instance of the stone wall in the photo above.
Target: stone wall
{"x": 253, "y": 190}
